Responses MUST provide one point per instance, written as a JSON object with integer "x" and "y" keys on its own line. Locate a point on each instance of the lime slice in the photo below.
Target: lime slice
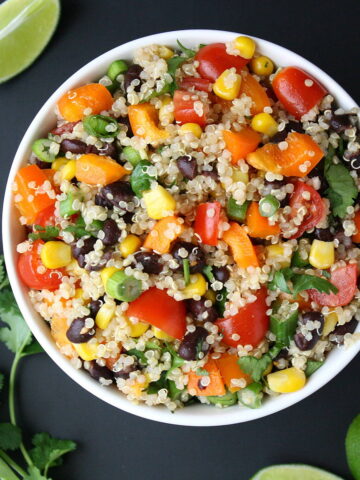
{"x": 352, "y": 445}
{"x": 294, "y": 472}
{"x": 26, "y": 27}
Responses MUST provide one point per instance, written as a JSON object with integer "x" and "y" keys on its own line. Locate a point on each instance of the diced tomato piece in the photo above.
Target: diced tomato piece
{"x": 185, "y": 110}
{"x": 249, "y": 325}
{"x": 213, "y": 60}
{"x": 29, "y": 264}
{"x": 156, "y": 307}
{"x": 315, "y": 207}
{"x": 298, "y": 91}
{"x": 196, "y": 83}
{"x": 344, "y": 278}
{"x": 46, "y": 218}
{"x": 207, "y": 222}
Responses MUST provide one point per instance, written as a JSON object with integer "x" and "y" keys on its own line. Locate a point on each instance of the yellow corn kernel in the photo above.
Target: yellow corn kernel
{"x": 264, "y": 123}
{"x": 55, "y": 254}
{"x": 193, "y": 128}
{"x": 79, "y": 292}
{"x": 166, "y": 111}
{"x": 159, "y": 203}
{"x": 197, "y": 286}
{"x": 330, "y": 322}
{"x": 59, "y": 163}
{"x": 86, "y": 351}
{"x": 105, "y": 315}
{"x": 245, "y": 45}
{"x": 137, "y": 329}
{"x": 286, "y": 381}
{"x": 262, "y": 66}
{"x": 165, "y": 52}
{"x": 161, "y": 335}
{"x": 75, "y": 269}
{"x": 227, "y": 86}
{"x": 129, "y": 245}
{"x": 239, "y": 176}
{"x": 210, "y": 295}
{"x": 106, "y": 274}
{"x": 275, "y": 251}
{"x": 138, "y": 387}
{"x": 322, "y": 254}
{"x": 68, "y": 171}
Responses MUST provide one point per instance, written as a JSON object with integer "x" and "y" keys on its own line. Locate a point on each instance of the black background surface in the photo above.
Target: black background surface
{"x": 116, "y": 445}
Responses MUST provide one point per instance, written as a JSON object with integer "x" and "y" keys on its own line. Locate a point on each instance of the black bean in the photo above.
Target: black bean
{"x": 108, "y": 149}
{"x": 291, "y": 126}
{"x": 339, "y": 123}
{"x": 116, "y": 192}
{"x": 127, "y": 217}
{"x": 100, "y": 201}
{"x": 269, "y": 186}
{"x": 342, "y": 330}
{"x": 94, "y": 306}
{"x": 323, "y": 234}
{"x": 353, "y": 158}
{"x": 78, "y": 333}
{"x": 221, "y": 274}
{"x": 194, "y": 343}
{"x": 196, "y": 255}
{"x": 126, "y": 370}
{"x": 283, "y": 354}
{"x": 343, "y": 239}
{"x": 87, "y": 245}
{"x": 125, "y": 121}
{"x": 73, "y": 146}
{"x": 97, "y": 372}
{"x": 41, "y": 164}
{"x": 211, "y": 173}
{"x": 187, "y": 166}
{"x": 200, "y": 312}
{"x": 150, "y": 261}
{"x": 111, "y": 231}
{"x": 301, "y": 342}
{"x": 108, "y": 252}
{"x": 133, "y": 73}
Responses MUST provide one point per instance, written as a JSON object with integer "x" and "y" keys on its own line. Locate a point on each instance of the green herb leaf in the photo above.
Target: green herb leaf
{"x": 4, "y": 281}
{"x": 252, "y": 395}
{"x": 221, "y": 299}
{"x": 35, "y": 474}
{"x": 44, "y": 233}
{"x": 16, "y": 335}
{"x": 280, "y": 280}
{"x": 140, "y": 178}
{"x": 6, "y": 473}
{"x": 33, "y": 348}
{"x": 10, "y": 436}
{"x": 186, "y": 270}
{"x": 305, "y": 282}
{"x": 186, "y": 51}
{"x": 174, "y": 63}
{"x": 342, "y": 190}
{"x": 166, "y": 89}
{"x": 2, "y": 381}
{"x": 298, "y": 261}
{"x": 255, "y": 367}
{"x": 154, "y": 387}
{"x": 48, "y": 451}
{"x": 138, "y": 354}
{"x": 284, "y": 328}
{"x": 352, "y": 447}
{"x": 312, "y": 366}
{"x": 79, "y": 229}
{"x": 201, "y": 372}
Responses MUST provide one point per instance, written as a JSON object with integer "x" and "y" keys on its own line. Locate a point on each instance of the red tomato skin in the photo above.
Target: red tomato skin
{"x": 196, "y": 83}
{"x": 315, "y": 204}
{"x": 207, "y": 227}
{"x": 46, "y": 218}
{"x": 28, "y": 264}
{"x": 184, "y": 111}
{"x": 297, "y": 98}
{"x": 344, "y": 278}
{"x": 213, "y": 60}
{"x": 156, "y": 307}
{"x": 251, "y": 323}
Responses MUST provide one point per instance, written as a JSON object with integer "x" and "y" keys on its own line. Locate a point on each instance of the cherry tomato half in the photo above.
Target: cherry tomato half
{"x": 344, "y": 278}
{"x": 207, "y": 222}
{"x": 28, "y": 268}
{"x": 184, "y": 109}
{"x": 315, "y": 207}
{"x": 213, "y": 60}
{"x": 298, "y": 91}
{"x": 251, "y": 323}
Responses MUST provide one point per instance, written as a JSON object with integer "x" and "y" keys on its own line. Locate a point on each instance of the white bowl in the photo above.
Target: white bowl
{"x": 195, "y": 415}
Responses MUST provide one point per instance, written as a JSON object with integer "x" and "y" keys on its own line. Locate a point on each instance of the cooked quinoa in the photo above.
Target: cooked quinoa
{"x": 193, "y": 231}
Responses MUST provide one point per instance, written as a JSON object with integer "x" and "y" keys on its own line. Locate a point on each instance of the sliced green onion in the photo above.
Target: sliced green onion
{"x": 251, "y": 396}
{"x": 101, "y": 126}
{"x": 123, "y": 287}
{"x": 41, "y": 148}
{"x": 131, "y": 155}
{"x": 235, "y": 211}
{"x": 207, "y": 271}
{"x": 268, "y": 206}
{"x": 186, "y": 269}
{"x": 116, "y": 68}
{"x": 226, "y": 400}
{"x": 67, "y": 207}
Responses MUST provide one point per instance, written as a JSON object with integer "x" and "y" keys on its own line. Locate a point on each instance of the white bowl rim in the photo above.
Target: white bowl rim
{"x": 194, "y": 415}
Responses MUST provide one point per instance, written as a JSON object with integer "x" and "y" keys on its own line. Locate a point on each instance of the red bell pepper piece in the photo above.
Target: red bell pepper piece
{"x": 207, "y": 222}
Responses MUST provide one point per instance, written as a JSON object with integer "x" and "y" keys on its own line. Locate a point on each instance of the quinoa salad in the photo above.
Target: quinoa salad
{"x": 193, "y": 226}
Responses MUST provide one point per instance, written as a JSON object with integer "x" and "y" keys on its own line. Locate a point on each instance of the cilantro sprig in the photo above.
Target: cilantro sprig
{"x": 44, "y": 233}
{"x": 47, "y": 452}
{"x": 176, "y": 61}
{"x": 300, "y": 282}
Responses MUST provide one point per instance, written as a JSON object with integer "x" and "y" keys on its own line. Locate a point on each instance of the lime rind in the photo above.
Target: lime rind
{"x": 294, "y": 472}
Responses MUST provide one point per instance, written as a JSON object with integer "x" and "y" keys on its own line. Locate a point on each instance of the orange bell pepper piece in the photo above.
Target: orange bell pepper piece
{"x": 94, "y": 96}
{"x": 240, "y": 144}
{"x": 216, "y": 386}
{"x": 163, "y": 234}
{"x": 252, "y": 88}
{"x": 258, "y": 226}
{"x": 29, "y": 197}
{"x": 98, "y": 169}
{"x": 58, "y": 328}
{"x": 143, "y": 120}
{"x": 356, "y": 237}
{"x": 229, "y": 369}
{"x": 240, "y": 245}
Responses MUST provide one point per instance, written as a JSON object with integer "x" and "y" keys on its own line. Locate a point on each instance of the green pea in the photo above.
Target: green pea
{"x": 41, "y": 148}
{"x": 116, "y": 68}
{"x": 101, "y": 126}
{"x": 268, "y": 206}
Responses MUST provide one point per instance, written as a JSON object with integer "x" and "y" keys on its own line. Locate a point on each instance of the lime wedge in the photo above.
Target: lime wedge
{"x": 294, "y": 472}
{"x": 26, "y": 27}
